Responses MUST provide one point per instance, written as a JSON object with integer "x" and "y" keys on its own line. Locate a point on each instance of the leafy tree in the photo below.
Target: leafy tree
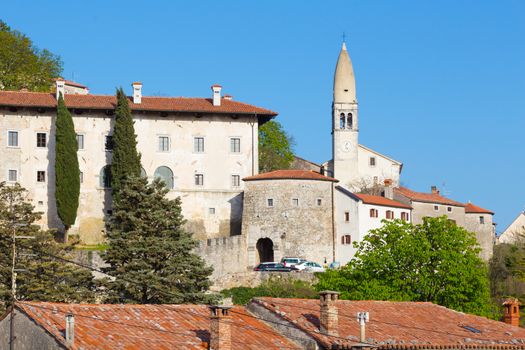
{"x": 275, "y": 147}
{"x": 435, "y": 261}
{"x": 149, "y": 251}
{"x": 126, "y": 160}
{"x": 45, "y": 278}
{"x": 22, "y": 65}
{"x": 67, "y": 172}
{"x": 507, "y": 272}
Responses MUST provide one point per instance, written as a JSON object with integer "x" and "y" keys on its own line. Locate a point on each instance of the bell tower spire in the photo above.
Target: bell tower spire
{"x": 345, "y": 130}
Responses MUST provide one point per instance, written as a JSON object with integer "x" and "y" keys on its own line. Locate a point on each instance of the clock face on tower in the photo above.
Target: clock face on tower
{"x": 346, "y": 146}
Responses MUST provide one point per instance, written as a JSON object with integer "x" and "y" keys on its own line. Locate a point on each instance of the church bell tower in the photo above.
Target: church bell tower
{"x": 345, "y": 129}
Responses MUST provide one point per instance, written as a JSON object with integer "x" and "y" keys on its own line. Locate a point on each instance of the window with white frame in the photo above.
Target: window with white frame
{"x": 236, "y": 180}
{"x": 12, "y": 138}
{"x": 346, "y": 239}
{"x": 80, "y": 141}
{"x": 199, "y": 179}
{"x": 198, "y": 144}
{"x": 374, "y": 213}
{"x": 164, "y": 144}
{"x": 404, "y": 216}
{"x": 389, "y": 214}
{"x": 235, "y": 145}
{"x": 41, "y": 176}
{"x": 41, "y": 139}
{"x": 12, "y": 175}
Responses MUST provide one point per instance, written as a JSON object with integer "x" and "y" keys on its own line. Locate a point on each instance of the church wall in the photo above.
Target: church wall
{"x": 512, "y": 233}
{"x": 216, "y": 163}
{"x": 383, "y": 168}
{"x": 485, "y": 232}
{"x": 303, "y": 230}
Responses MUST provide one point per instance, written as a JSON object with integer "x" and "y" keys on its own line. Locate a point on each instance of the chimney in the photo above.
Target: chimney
{"x": 70, "y": 329}
{"x": 329, "y": 318}
{"x": 61, "y": 87}
{"x": 512, "y": 312}
{"x": 216, "y": 94}
{"x": 137, "y": 92}
{"x": 220, "y": 332}
{"x": 389, "y": 190}
{"x": 228, "y": 97}
{"x": 434, "y": 190}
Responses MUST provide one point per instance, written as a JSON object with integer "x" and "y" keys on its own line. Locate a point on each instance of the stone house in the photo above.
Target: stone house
{"x": 513, "y": 233}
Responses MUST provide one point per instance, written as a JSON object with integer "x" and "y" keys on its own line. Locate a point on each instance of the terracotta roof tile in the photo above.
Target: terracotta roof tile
{"x": 162, "y": 327}
{"x": 379, "y": 200}
{"x": 426, "y": 197}
{"x": 472, "y": 208}
{"x": 399, "y": 324}
{"x": 291, "y": 174}
{"x": 161, "y": 104}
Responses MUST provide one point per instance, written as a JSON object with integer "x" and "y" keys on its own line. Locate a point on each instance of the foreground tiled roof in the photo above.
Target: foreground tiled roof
{"x": 472, "y": 208}
{"x": 292, "y": 174}
{"x": 426, "y": 197}
{"x": 131, "y": 327}
{"x": 400, "y": 325}
{"x": 379, "y": 200}
{"x": 105, "y": 102}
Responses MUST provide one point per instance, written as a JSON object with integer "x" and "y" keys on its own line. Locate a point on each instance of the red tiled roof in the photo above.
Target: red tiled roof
{"x": 472, "y": 208}
{"x": 131, "y": 327}
{"x": 161, "y": 104}
{"x": 426, "y": 197}
{"x": 379, "y": 200}
{"x": 399, "y": 324}
{"x": 291, "y": 174}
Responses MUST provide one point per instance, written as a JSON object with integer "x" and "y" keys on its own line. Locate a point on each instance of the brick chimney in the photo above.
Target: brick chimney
{"x": 228, "y": 97}
{"x": 512, "y": 312}
{"x": 216, "y": 94}
{"x": 60, "y": 87}
{"x": 329, "y": 318}
{"x": 70, "y": 329}
{"x": 220, "y": 331}
{"x": 137, "y": 92}
{"x": 434, "y": 190}
{"x": 389, "y": 190}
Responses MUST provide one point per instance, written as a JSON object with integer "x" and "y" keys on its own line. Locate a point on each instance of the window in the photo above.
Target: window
{"x": 269, "y": 202}
{"x": 198, "y": 144}
{"x": 41, "y": 139}
{"x": 199, "y": 179}
{"x": 347, "y": 216}
{"x": 109, "y": 143}
{"x": 12, "y": 138}
{"x": 436, "y": 208}
{"x": 295, "y": 202}
{"x": 389, "y": 214}
{"x": 235, "y": 145}
{"x": 164, "y": 144}
{"x": 80, "y": 141}
{"x": 346, "y": 239}
{"x": 319, "y": 201}
{"x": 105, "y": 177}
{"x": 12, "y": 176}
{"x": 236, "y": 180}
{"x": 342, "y": 121}
{"x": 449, "y": 209}
{"x": 211, "y": 211}
{"x": 404, "y": 216}
{"x": 350, "y": 123}
{"x": 41, "y": 176}
{"x": 372, "y": 161}
{"x": 165, "y": 174}
{"x": 482, "y": 220}
{"x": 81, "y": 177}
{"x": 374, "y": 213}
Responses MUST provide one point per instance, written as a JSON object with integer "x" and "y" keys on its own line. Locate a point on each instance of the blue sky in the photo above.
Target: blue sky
{"x": 440, "y": 84}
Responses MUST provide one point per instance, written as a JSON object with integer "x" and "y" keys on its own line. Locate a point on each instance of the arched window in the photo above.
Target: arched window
{"x": 350, "y": 121}
{"x": 165, "y": 174}
{"x": 342, "y": 121}
{"x": 143, "y": 172}
{"x": 105, "y": 177}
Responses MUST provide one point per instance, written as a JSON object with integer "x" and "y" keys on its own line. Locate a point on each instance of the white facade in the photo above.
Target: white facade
{"x": 515, "y": 231}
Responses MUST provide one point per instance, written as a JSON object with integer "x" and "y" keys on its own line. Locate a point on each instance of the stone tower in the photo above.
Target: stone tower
{"x": 345, "y": 129}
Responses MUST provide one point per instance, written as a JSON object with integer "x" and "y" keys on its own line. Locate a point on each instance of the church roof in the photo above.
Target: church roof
{"x": 148, "y": 103}
{"x": 290, "y": 174}
{"x": 426, "y": 197}
{"x": 380, "y": 200}
{"x": 472, "y": 208}
{"x": 344, "y": 80}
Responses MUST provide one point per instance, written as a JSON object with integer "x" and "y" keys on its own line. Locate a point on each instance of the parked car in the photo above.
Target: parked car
{"x": 290, "y": 261}
{"x": 309, "y": 266}
{"x": 272, "y": 266}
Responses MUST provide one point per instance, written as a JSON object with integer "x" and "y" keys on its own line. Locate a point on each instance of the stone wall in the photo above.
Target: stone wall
{"x": 485, "y": 232}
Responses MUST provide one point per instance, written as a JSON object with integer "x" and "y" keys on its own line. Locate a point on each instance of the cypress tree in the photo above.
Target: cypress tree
{"x": 126, "y": 159}
{"x": 67, "y": 173}
{"x": 148, "y": 246}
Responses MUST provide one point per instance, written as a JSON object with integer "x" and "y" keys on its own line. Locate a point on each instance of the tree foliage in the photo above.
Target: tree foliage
{"x": 45, "y": 278}
{"x": 435, "y": 261}
{"x": 149, "y": 251}
{"x": 275, "y": 147}
{"x": 22, "y": 65}
{"x": 67, "y": 172}
{"x": 507, "y": 272}
{"x": 126, "y": 159}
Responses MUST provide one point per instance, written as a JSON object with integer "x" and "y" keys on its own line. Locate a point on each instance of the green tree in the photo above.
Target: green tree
{"x": 507, "y": 272}
{"x": 67, "y": 172}
{"x": 45, "y": 278}
{"x": 435, "y": 261}
{"x": 275, "y": 147}
{"x": 22, "y": 65}
{"x": 126, "y": 160}
{"x": 149, "y": 251}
